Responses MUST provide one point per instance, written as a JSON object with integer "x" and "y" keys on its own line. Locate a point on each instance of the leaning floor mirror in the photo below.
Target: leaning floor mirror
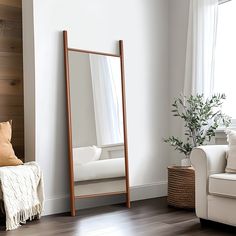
{"x": 97, "y": 130}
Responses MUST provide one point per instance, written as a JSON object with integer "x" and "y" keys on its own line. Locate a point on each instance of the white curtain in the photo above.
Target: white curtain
{"x": 202, "y": 28}
{"x": 107, "y": 96}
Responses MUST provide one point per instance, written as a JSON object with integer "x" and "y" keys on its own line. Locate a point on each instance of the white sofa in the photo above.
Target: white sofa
{"x": 215, "y": 189}
{"x": 94, "y": 163}
{"x": 101, "y": 169}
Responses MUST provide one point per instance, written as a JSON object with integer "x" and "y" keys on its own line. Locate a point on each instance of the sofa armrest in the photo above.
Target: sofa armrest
{"x": 206, "y": 160}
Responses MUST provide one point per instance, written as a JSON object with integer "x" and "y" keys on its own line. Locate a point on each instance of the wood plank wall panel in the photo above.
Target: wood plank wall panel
{"x": 11, "y": 70}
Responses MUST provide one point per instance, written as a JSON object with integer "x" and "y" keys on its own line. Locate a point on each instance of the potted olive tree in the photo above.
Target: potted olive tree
{"x": 201, "y": 119}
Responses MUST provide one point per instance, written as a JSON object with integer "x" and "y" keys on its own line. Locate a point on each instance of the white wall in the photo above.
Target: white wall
{"x": 178, "y": 26}
{"x": 97, "y": 25}
{"x": 82, "y": 105}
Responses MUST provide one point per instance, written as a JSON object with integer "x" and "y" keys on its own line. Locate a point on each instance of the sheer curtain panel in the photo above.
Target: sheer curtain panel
{"x": 200, "y": 54}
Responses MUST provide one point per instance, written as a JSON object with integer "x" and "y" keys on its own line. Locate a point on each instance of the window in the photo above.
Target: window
{"x": 225, "y": 64}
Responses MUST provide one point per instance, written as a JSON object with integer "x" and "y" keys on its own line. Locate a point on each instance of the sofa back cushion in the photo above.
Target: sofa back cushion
{"x": 231, "y": 153}
{"x": 84, "y": 155}
{"x": 7, "y": 154}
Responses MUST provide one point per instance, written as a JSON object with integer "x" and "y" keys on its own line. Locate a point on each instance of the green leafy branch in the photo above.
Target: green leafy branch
{"x": 201, "y": 119}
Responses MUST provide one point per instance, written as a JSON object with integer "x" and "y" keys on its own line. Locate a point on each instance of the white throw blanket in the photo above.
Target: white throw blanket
{"x": 23, "y": 193}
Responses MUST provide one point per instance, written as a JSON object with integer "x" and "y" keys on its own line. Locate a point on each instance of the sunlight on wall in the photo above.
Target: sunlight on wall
{"x": 225, "y": 64}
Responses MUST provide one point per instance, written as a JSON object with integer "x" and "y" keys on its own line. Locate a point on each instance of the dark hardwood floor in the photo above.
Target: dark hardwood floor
{"x": 145, "y": 218}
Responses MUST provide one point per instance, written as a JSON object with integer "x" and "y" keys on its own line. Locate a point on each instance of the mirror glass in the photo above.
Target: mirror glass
{"x": 97, "y": 124}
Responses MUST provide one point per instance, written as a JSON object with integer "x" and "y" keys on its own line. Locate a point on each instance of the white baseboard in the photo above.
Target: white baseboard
{"x": 147, "y": 191}
{"x": 56, "y": 205}
{"x": 60, "y": 204}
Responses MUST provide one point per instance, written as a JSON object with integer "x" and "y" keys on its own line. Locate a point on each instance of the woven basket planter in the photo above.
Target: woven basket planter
{"x": 181, "y": 187}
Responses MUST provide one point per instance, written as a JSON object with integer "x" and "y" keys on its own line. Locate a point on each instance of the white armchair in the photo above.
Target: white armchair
{"x": 215, "y": 189}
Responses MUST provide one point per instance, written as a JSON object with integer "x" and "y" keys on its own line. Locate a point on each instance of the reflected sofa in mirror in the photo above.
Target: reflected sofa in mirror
{"x": 97, "y": 133}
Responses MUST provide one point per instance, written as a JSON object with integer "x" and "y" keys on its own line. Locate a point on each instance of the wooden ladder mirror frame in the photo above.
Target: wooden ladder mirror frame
{"x": 69, "y": 123}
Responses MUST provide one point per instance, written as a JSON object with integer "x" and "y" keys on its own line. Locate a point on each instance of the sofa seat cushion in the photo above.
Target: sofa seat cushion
{"x": 223, "y": 185}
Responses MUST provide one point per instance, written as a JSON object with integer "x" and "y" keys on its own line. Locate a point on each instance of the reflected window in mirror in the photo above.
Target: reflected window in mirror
{"x": 96, "y": 100}
{"x": 106, "y": 81}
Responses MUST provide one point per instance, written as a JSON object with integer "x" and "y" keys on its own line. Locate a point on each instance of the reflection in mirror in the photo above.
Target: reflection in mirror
{"x": 97, "y": 124}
